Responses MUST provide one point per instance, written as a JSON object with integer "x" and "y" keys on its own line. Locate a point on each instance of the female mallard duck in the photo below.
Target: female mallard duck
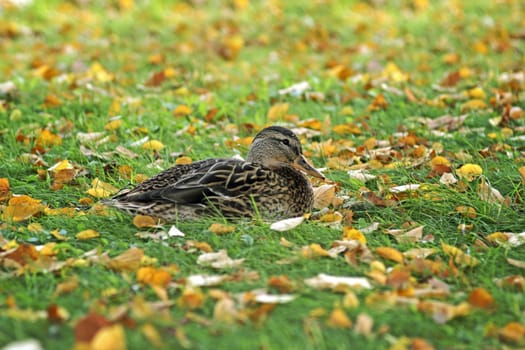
{"x": 268, "y": 183}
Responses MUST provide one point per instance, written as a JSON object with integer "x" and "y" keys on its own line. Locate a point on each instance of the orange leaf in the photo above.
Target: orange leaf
{"x": 51, "y": 101}
{"x": 281, "y": 283}
{"x": 21, "y": 208}
{"x": 479, "y": 297}
{"x": 378, "y": 103}
{"x": 390, "y": 254}
{"x": 191, "y": 299}
{"x": 4, "y": 188}
{"x": 512, "y": 332}
{"x": 153, "y": 276}
{"x": 23, "y": 254}
{"x": 350, "y": 233}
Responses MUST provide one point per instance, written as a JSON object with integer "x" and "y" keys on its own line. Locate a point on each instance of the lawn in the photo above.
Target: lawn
{"x": 412, "y": 109}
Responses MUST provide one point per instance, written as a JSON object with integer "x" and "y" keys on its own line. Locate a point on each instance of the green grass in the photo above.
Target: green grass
{"x": 285, "y": 42}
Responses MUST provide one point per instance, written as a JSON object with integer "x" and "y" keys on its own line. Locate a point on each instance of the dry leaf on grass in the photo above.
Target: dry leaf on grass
{"x": 287, "y": 224}
{"x": 324, "y": 281}
{"x": 219, "y": 260}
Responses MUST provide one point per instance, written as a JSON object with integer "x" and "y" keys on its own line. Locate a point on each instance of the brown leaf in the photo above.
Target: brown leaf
{"x": 23, "y": 254}
{"x": 127, "y": 261}
{"x": 88, "y": 326}
{"x": 282, "y": 283}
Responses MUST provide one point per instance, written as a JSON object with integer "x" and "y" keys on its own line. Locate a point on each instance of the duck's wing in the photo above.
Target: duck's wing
{"x": 226, "y": 178}
{"x": 168, "y": 177}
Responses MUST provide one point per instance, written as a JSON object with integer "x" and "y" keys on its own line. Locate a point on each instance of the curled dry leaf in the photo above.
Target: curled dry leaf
{"x": 405, "y": 188}
{"x": 364, "y": 324}
{"x": 287, "y": 224}
{"x": 205, "y": 280}
{"x": 512, "y": 332}
{"x": 339, "y": 319}
{"x": 361, "y": 175}
{"x": 265, "y": 298}
{"x": 488, "y": 193}
{"x": 323, "y": 196}
{"x": 219, "y": 260}
{"x": 127, "y": 261}
{"x": 324, "y": 281}
{"x": 442, "y": 312}
{"x": 448, "y": 179}
{"x": 175, "y": 232}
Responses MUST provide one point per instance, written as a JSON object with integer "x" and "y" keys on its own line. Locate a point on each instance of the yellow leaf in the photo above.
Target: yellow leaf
{"x": 47, "y": 138}
{"x": 21, "y": 208}
{"x": 153, "y": 145}
{"x": 469, "y": 171}
{"x": 113, "y": 125}
{"x": 473, "y": 105}
{"x": 182, "y": 110}
{"x": 183, "y": 160}
{"x": 152, "y": 334}
{"x": 141, "y": 221}
{"x": 459, "y": 256}
{"x": 348, "y": 128}
{"x": 439, "y": 161}
{"x": 87, "y": 234}
{"x": 57, "y": 235}
{"x": 220, "y": 229}
{"x": 99, "y": 73}
{"x": 390, "y": 254}
{"x": 477, "y": 93}
{"x": 49, "y": 249}
{"x": 109, "y": 338}
{"x": 100, "y": 189}
{"x": 278, "y": 111}
{"x": 350, "y": 233}
{"x": 339, "y": 319}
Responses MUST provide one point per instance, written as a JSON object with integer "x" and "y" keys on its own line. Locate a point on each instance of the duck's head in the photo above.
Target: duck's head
{"x": 276, "y": 145}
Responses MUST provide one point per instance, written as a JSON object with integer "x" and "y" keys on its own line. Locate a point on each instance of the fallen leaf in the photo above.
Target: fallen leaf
{"x": 109, "y": 338}
{"x": 153, "y": 145}
{"x": 4, "y": 188}
{"x": 87, "y": 234}
{"x": 153, "y": 276}
{"x": 219, "y": 260}
{"x": 278, "y": 111}
{"x": 469, "y": 171}
{"x": 87, "y": 327}
{"x": 127, "y": 261}
{"x": 287, "y": 224}
{"x": 324, "y": 281}
{"x": 390, "y": 254}
{"x": 481, "y": 298}
{"x": 21, "y": 208}
{"x": 512, "y": 332}
{"x": 364, "y": 324}
{"x": 100, "y": 189}
{"x": 323, "y": 196}
{"x": 142, "y": 221}
{"x": 221, "y": 229}
{"x": 339, "y": 319}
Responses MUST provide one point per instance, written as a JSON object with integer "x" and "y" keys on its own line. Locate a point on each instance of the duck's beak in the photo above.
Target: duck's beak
{"x": 302, "y": 164}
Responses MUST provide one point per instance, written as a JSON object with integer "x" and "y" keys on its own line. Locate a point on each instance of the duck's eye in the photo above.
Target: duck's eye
{"x": 286, "y": 142}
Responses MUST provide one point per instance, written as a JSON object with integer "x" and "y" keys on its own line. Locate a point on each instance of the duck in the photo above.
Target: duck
{"x": 271, "y": 183}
